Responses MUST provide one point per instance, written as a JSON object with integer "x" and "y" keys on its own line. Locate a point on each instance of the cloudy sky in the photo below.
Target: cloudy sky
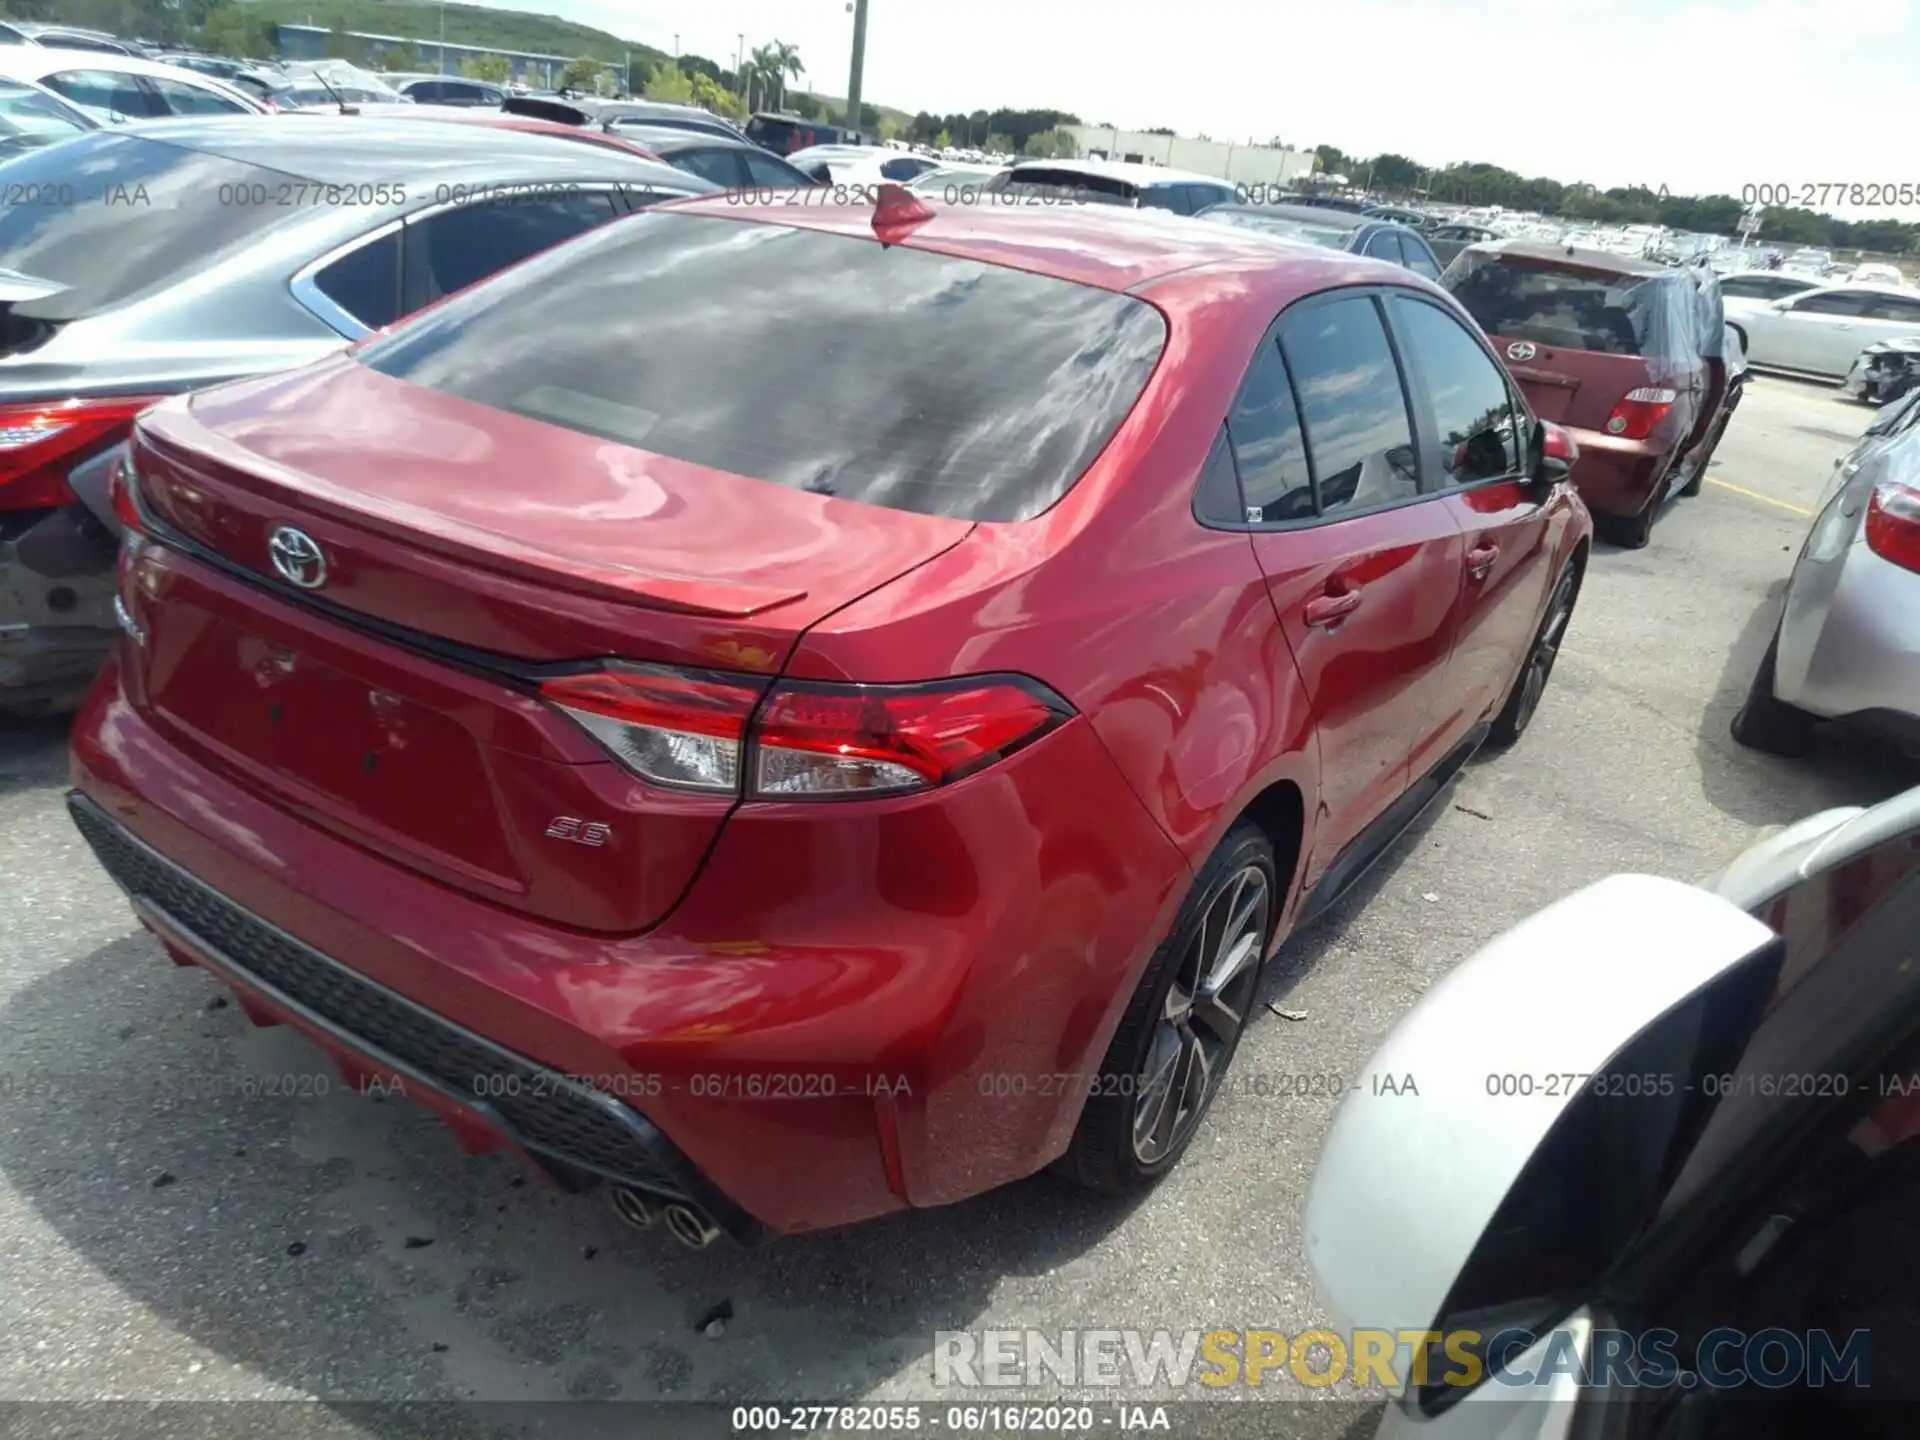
{"x": 1695, "y": 96}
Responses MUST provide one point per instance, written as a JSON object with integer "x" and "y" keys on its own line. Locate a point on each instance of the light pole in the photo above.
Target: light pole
{"x": 443, "y": 39}
{"x": 739, "y": 73}
{"x": 859, "y": 8}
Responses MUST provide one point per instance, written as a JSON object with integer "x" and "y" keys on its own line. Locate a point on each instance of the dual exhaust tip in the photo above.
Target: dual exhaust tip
{"x": 688, "y": 1224}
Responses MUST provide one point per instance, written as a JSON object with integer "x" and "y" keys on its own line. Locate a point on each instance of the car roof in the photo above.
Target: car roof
{"x": 667, "y": 139}
{"x": 1309, "y": 215}
{"x": 488, "y": 118}
{"x": 1584, "y": 259}
{"x": 361, "y": 149}
{"x": 34, "y": 61}
{"x": 1111, "y": 247}
{"x": 1132, "y": 172}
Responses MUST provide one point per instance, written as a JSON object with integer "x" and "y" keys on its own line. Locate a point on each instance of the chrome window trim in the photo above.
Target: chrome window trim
{"x": 305, "y": 284}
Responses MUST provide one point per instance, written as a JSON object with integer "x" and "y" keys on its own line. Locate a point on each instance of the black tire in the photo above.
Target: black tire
{"x": 1105, "y": 1153}
{"x": 1766, "y": 722}
{"x": 1536, "y": 667}
{"x": 1631, "y": 532}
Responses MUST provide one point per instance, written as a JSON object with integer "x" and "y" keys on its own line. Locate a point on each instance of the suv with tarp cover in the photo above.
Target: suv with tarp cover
{"x": 1626, "y": 353}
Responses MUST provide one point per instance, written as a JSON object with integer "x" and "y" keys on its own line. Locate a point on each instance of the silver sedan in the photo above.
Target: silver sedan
{"x": 1821, "y": 331}
{"x": 1848, "y": 643}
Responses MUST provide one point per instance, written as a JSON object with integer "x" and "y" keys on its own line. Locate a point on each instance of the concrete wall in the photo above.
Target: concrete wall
{"x": 1246, "y": 164}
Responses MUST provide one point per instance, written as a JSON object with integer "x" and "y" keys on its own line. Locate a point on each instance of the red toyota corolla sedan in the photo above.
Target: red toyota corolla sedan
{"x": 804, "y": 712}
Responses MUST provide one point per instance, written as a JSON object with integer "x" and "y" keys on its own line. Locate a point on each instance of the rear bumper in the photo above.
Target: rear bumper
{"x": 1615, "y": 476}
{"x": 56, "y": 606}
{"x": 840, "y": 1020}
{"x": 1846, "y": 638}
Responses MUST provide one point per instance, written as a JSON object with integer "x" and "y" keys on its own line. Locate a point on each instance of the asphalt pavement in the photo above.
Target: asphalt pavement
{"x": 193, "y": 1209}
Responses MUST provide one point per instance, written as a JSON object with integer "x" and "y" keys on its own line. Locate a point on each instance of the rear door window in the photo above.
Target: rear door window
{"x": 1352, "y": 405}
{"x": 184, "y": 99}
{"x": 460, "y": 246}
{"x": 108, "y": 92}
{"x": 721, "y": 166}
{"x": 1165, "y": 197}
{"x": 1834, "y": 302}
{"x": 769, "y": 174}
{"x": 1384, "y": 245}
{"x": 945, "y": 386}
{"x": 1894, "y": 307}
{"x": 1415, "y": 255}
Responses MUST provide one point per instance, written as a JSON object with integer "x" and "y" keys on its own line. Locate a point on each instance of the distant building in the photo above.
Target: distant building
{"x": 310, "y": 42}
{"x": 1241, "y": 164}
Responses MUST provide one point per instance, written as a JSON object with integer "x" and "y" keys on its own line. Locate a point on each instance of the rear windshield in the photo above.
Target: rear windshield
{"x": 821, "y": 362}
{"x": 1668, "y": 320}
{"x": 112, "y": 216}
{"x": 1043, "y": 180}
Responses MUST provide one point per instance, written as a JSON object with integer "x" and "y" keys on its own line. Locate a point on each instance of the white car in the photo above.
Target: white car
{"x": 1605, "y": 1169}
{"x": 1745, "y": 290}
{"x": 1822, "y": 330}
{"x": 860, "y": 164}
{"x": 117, "y": 88}
{"x": 1876, "y": 274}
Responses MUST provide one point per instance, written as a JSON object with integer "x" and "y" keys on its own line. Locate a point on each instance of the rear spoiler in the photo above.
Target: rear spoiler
{"x": 538, "y": 108}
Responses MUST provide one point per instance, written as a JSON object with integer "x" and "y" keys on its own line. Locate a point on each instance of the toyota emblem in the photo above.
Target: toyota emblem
{"x": 1519, "y": 350}
{"x": 297, "y": 558}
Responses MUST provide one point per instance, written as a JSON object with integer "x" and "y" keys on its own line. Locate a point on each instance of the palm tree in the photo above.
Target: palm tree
{"x": 772, "y": 64}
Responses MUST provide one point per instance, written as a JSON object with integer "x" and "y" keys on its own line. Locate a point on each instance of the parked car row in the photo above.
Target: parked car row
{"x": 1277, "y": 503}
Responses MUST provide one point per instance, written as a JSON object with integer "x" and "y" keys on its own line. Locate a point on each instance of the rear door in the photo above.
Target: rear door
{"x": 1363, "y": 566}
{"x": 1820, "y": 332}
{"x": 1477, "y": 442}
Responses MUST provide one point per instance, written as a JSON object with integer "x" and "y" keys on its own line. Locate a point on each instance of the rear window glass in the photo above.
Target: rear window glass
{"x": 1667, "y": 319}
{"x": 113, "y": 216}
{"x": 820, "y": 362}
{"x": 1047, "y": 181}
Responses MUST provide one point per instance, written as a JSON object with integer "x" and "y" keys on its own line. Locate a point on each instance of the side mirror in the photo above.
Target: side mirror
{"x": 1521, "y": 1125}
{"x": 1557, "y": 454}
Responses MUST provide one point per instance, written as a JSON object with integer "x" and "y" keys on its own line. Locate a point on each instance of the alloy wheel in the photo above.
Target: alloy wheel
{"x": 1546, "y": 648}
{"x": 1205, "y": 1010}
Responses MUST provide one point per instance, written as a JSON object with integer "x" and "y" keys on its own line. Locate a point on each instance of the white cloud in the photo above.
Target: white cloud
{"x": 1702, "y": 96}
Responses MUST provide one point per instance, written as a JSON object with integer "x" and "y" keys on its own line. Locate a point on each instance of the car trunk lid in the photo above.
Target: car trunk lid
{"x": 467, "y": 553}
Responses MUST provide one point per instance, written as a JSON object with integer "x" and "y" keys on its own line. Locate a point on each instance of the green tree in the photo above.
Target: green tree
{"x": 806, "y": 106}
{"x": 944, "y": 140}
{"x": 1395, "y": 173}
{"x": 400, "y": 57}
{"x": 232, "y": 30}
{"x": 1332, "y": 160}
{"x": 710, "y": 94}
{"x": 772, "y": 65}
{"x": 494, "y": 69}
{"x": 671, "y": 84}
{"x": 1052, "y": 145}
{"x": 582, "y": 73}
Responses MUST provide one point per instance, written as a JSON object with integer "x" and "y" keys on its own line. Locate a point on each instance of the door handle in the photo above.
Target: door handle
{"x": 1326, "y": 612}
{"x": 1480, "y": 560}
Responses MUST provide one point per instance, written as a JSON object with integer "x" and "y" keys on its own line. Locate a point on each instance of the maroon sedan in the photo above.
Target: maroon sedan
{"x": 1624, "y": 352}
{"x": 804, "y": 712}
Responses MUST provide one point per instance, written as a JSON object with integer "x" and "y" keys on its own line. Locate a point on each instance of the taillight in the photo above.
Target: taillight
{"x": 701, "y": 731}
{"x": 40, "y": 443}
{"x": 1639, "y": 411}
{"x": 124, "y": 495}
{"x": 1893, "y": 524}
{"x": 674, "y": 727}
{"x": 859, "y": 739}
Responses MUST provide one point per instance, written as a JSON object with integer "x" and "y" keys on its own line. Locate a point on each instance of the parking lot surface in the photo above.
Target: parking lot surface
{"x": 174, "y": 1224}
